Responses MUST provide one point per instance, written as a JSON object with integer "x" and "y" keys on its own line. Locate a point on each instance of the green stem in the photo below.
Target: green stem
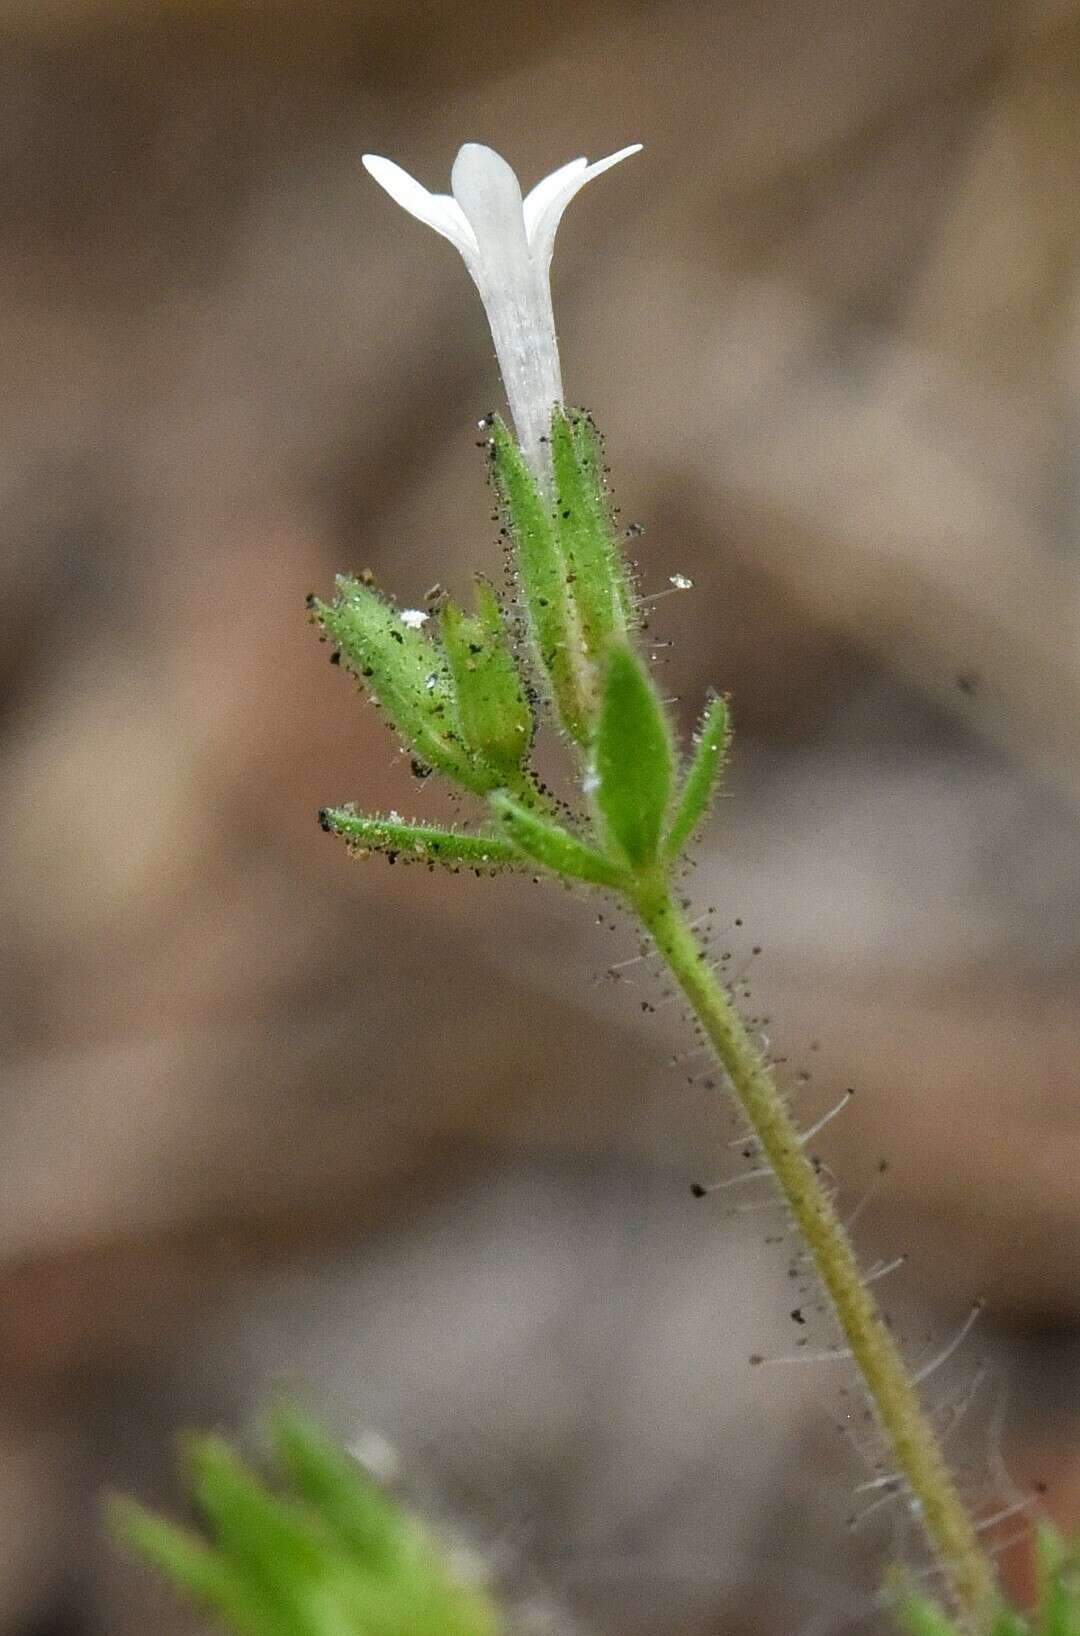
{"x": 889, "y": 1383}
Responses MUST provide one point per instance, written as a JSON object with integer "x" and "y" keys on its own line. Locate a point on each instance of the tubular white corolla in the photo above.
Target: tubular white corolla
{"x": 506, "y": 243}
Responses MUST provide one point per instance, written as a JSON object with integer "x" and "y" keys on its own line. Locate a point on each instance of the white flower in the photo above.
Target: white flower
{"x": 506, "y": 243}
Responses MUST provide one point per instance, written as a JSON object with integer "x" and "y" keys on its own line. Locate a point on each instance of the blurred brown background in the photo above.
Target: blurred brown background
{"x": 270, "y": 1115}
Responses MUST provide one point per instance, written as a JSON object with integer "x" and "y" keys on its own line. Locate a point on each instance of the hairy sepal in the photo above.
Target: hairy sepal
{"x": 597, "y": 576}
{"x": 551, "y": 614}
{"x": 408, "y": 676}
{"x": 492, "y": 707}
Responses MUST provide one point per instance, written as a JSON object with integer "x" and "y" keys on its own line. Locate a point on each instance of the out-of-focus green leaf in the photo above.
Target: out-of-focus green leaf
{"x": 333, "y": 1555}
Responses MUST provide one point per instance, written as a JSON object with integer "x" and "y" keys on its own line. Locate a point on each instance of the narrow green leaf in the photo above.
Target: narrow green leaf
{"x": 333, "y": 1556}
{"x": 367, "y": 1524}
{"x": 408, "y": 676}
{"x": 492, "y": 707}
{"x": 419, "y": 843}
{"x": 551, "y": 847}
{"x": 633, "y": 762}
{"x": 552, "y": 616}
{"x": 270, "y": 1540}
{"x": 597, "y": 574}
{"x": 706, "y": 767}
{"x": 199, "y": 1571}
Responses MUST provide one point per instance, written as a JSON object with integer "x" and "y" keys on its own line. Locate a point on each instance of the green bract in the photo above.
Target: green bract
{"x": 705, "y": 769}
{"x": 633, "y": 761}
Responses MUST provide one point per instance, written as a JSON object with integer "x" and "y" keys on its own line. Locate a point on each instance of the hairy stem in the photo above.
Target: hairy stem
{"x": 889, "y": 1384}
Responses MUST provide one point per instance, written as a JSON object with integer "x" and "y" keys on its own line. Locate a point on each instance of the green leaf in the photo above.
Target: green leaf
{"x": 551, "y": 614}
{"x": 407, "y": 674}
{"x": 200, "y": 1571}
{"x": 419, "y": 843}
{"x": 273, "y": 1543}
{"x": 633, "y": 760}
{"x": 597, "y": 575}
{"x": 333, "y": 1556}
{"x": 492, "y": 707}
{"x": 1059, "y": 1584}
{"x": 404, "y": 1582}
{"x": 551, "y": 847}
{"x": 336, "y": 1487}
{"x": 706, "y": 767}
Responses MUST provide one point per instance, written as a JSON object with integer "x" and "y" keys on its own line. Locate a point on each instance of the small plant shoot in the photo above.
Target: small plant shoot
{"x": 467, "y": 691}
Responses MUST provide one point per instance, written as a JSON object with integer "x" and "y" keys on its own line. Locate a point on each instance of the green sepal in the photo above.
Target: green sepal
{"x": 550, "y": 611}
{"x": 551, "y": 847}
{"x": 633, "y": 761}
{"x": 706, "y": 767}
{"x": 407, "y": 674}
{"x": 492, "y": 707}
{"x": 419, "y": 843}
{"x": 596, "y": 572}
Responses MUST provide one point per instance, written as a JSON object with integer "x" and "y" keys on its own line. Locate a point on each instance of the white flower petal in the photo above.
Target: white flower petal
{"x": 437, "y": 210}
{"x": 537, "y": 199}
{"x": 546, "y": 216}
{"x": 515, "y": 294}
{"x": 506, "y": 243}
{"x": 488, "y": 194}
